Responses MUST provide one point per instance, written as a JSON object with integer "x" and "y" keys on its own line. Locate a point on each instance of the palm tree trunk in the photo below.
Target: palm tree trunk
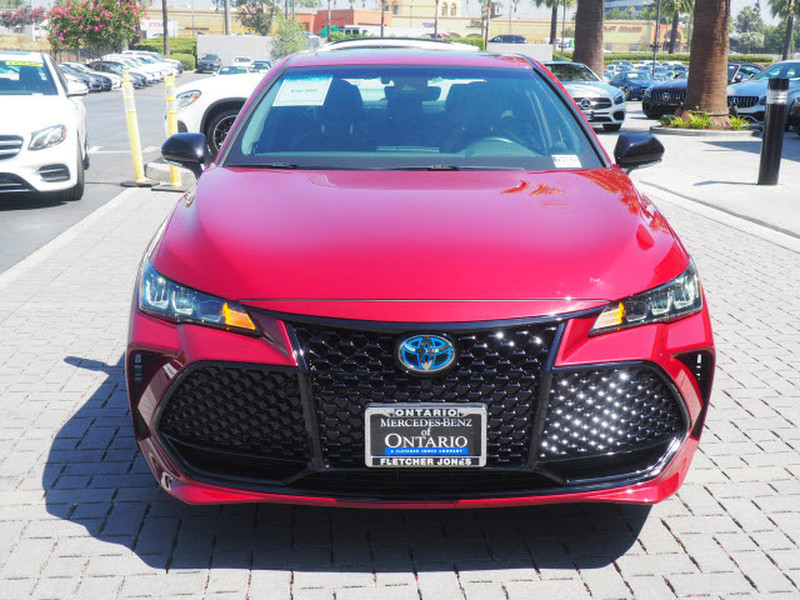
{"x": 554, "y": 23}
{"x": 708, "y": 67}
{"x": 589, "y": 34}
{"x": 787, "y": 41}
{"x": 674, "y": 32}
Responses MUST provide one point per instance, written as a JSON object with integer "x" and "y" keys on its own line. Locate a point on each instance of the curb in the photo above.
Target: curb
{"x": 702, "y": 132}
{"x": 158, "y": 170}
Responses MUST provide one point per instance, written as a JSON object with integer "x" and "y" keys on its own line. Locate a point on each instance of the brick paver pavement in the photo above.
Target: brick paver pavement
{"x": 80, "y": 516}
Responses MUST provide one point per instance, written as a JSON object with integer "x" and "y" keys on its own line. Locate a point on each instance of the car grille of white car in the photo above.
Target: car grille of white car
{"x": 10, "y": 145}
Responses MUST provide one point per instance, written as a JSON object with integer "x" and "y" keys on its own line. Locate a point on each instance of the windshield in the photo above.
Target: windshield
{"x": 412, "y": 117}
{"x": 784, "y": 70}
{"x": 24, "y": 78}
{"x": 572, "y": 72}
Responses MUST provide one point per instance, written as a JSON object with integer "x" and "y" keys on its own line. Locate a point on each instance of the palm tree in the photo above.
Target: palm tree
{"x": 553, "y": 5}
{"x": 786, "y": 9}
{"x": 676, "y": 7}
{"x": 589, "y": 34}
{"x": 708, "y": 64}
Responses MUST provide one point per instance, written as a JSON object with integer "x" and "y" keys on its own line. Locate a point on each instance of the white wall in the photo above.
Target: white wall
{"x": 229, "y": 46}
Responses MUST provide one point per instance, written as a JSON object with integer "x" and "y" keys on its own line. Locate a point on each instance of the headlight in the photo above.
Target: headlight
{"x": 186, "y": 98}
{"x": 49, "y": 136}
{"x": 620, "y": 99}
{"x": 678, "y": 298}
{"x": 166, "y": 299}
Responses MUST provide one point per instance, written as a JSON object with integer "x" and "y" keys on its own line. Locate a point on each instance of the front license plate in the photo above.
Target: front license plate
{"x": 423, "y": 435}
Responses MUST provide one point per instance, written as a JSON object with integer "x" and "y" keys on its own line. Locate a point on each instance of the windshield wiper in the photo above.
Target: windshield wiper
{"x": 275, "y": 165}
{"x": 427, "y": 168}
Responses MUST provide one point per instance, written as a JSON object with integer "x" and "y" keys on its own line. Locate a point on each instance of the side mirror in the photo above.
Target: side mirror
{"x": 634, "y": 150}
{"x": 737, "y": 78}
{"x": 186, "y": 150}
{"x": 76, "y": 88}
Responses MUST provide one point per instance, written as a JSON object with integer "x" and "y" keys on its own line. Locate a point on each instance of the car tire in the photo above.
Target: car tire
{"x": 652, "y": 115}
{"x": 86, "y": 161}
{"x": 218, "y": 127}
{"x": 612, "y": 127}
{"x": 76, "y": 191}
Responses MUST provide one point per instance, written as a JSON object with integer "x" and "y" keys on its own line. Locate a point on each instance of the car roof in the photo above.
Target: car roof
{"x": 396, "y": 42}
{"x": 408, "y": 56}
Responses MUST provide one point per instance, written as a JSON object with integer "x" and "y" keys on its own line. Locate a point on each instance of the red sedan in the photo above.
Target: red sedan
{"x": 415, "y": 279}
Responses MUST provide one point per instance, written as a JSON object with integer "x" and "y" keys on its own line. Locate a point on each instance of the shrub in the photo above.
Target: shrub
{"x": 739, "y": 123}
{"x": 699, "y": 121}
{"x": 176, "y": 46}
{"x": 187, "y": 60}
{"x": 472, "y": 41}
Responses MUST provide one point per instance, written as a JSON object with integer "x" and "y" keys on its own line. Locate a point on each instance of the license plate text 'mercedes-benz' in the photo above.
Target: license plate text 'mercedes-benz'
{"x": 424, "y": 435}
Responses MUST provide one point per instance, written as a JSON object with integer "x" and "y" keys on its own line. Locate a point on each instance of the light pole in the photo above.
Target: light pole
{"x": 165, "y": 19}
{"x": 328, "y": 23}
{"x": 436, "y": 20}
{"x": 226, "y": 7}
{"x": 383, "y": 15}
{"x": 564, "y": 28}
{"x": 658, "y": 38}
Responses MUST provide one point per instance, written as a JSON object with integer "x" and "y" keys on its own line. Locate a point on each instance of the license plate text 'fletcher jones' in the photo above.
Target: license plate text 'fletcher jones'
{"x": 404, "y": 435}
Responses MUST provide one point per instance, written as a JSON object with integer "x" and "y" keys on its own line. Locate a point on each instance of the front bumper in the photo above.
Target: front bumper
{"x": 222, "y": 417}
{"x": 654, "y": 106}
{"x": 50, "y": 170}
{"x": 601, "y": 110}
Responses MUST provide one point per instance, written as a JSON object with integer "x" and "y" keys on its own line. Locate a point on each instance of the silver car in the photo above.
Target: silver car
{"x": 601, "y": 103}
{"x": 749, "y": 98}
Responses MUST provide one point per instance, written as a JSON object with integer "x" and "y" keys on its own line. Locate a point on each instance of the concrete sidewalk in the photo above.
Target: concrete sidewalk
{"x": 722, "y": 172}
{"x": 81, "y": 516}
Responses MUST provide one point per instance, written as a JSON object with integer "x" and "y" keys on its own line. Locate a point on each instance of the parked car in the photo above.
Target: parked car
{"x": 748, "y": 99}
{"x": 260, "y": 66}
{"x": 445, "y": 295}
{"x": 507, "y": 38}
{"x": 209, "y": 63}
{"x": 43, "y": 146}
{"x": 633, "y": 83}
{"x": 601, "y": 103}
{"x": 210, "y": 105}
{"x": 665, "y": 97}
{"x": 116, "y": 80}
{"x": 794, "y": 115}
{"x": 138, "y": 79}
{"x": 152, "y": 73}
{"x": 95, "y": 83}
{"x": 242, "y": 61}
{"x": 155, "y": 58}
{"x": 232, "y": 70}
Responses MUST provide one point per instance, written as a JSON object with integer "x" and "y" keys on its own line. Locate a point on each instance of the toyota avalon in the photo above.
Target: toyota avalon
{"x": 416, "y": 279}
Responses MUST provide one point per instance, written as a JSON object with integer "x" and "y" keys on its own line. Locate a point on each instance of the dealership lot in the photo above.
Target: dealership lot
{"x": 82, "y": 517}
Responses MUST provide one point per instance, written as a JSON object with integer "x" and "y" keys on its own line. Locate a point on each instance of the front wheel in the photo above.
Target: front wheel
{"x": 218, "y": 128}
{"x": 76, "y": 191}
{"x": 612, "y": 127}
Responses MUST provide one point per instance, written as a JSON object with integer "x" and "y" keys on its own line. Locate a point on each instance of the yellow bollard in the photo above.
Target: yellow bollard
{"x": 133, "y": 135}
{"x": 172, "y": 124}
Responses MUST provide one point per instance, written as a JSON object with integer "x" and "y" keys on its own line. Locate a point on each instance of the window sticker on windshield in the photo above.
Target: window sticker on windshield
{"x": 23, "y": 63}
{"x": 566, "y": 161}
{"x": 308, "y": 91}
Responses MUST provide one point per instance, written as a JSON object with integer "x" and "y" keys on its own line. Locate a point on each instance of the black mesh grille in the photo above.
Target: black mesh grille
{"x": 13, "y": 183}
{"x": 352, "y": 368}
{"x": 241, "y": 409}
{"x": 602, "y": 410}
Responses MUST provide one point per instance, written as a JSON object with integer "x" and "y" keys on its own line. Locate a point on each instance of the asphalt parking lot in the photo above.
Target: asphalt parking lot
{"x": 82, "y": 517}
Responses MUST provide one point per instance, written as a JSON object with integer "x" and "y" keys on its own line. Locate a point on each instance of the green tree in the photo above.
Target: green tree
{"x": 256, "y": 15}
{"x": 290, "y": 37}
{"x": 775, "y": 38}
{"x": 94, "y": 25}
{"x": 750, "y": 42}
{"x": 786, "y": 10}
{"x": 674, "y": 9}
{"x": 553, "y": 5}
{"x": 748, "y": 20}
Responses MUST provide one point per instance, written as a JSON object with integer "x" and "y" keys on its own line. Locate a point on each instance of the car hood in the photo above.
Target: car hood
{"x": 22, "y": 115}
{"x": 748, "y": 88}
{"x": 582, "y": 89}
{"x": 237, "y": 85}
{"x": 672, "y": 84}
{"x": 498, "y": 236}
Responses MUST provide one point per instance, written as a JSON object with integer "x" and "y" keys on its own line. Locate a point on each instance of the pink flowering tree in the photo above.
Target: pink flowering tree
{"x": 94, "y": 25}
{"x": 23, "y": 16}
